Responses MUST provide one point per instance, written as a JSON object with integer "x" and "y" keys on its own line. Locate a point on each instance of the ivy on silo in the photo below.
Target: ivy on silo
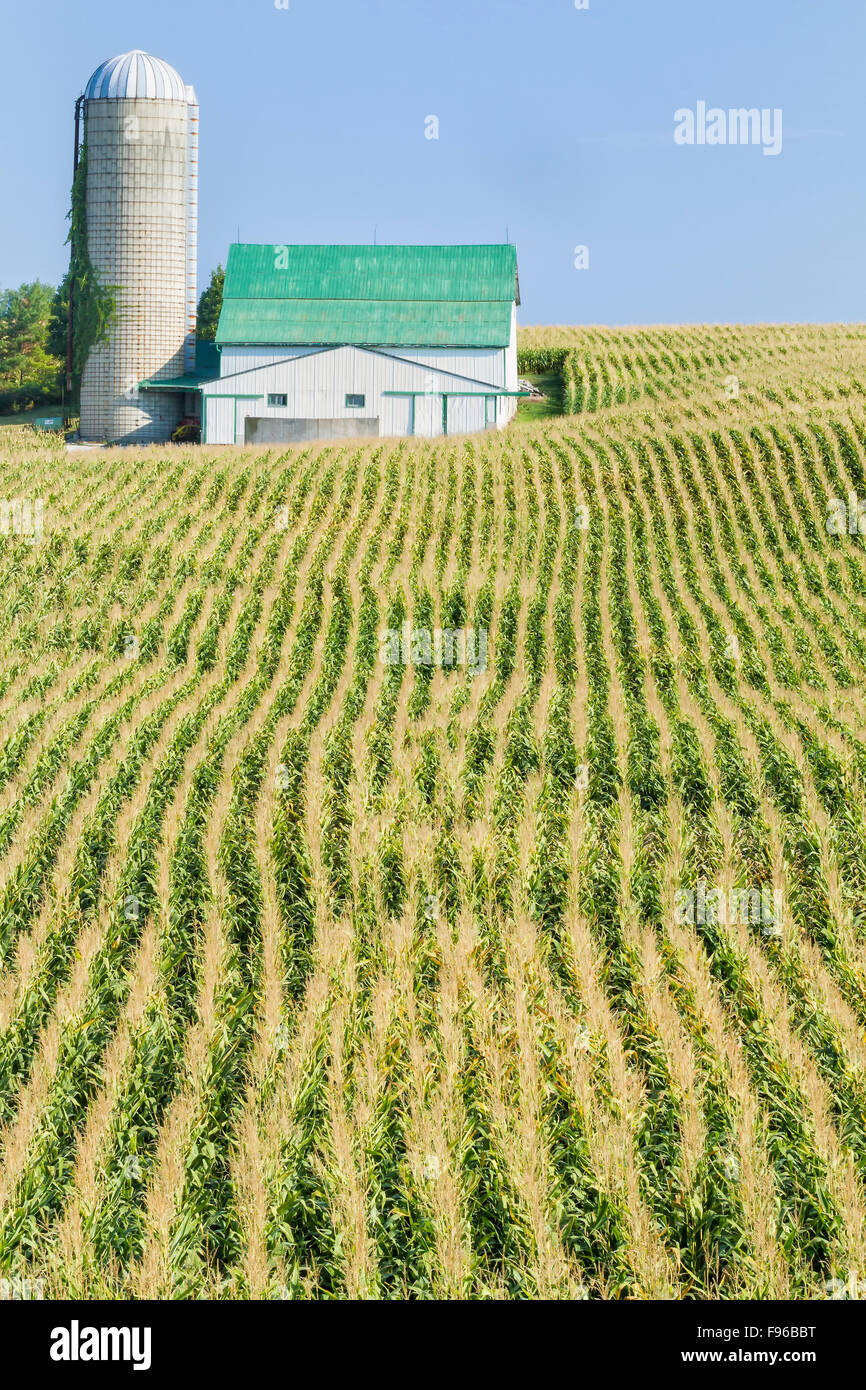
{"x": 93, "y": 304}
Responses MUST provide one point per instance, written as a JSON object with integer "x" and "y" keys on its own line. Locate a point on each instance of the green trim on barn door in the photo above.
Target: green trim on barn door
{"x": 225, "y": 396}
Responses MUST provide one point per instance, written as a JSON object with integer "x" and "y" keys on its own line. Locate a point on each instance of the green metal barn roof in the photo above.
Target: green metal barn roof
{"x": 207, "y": 368}
{"x": 389, "y": 296}
{"x": 387, "y": 323}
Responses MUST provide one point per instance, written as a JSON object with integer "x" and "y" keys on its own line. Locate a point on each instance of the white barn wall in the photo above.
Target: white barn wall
{"x": 511, "y": 377}
{"x": 244, "y": 359}
{"x": 507, "y": 405}
{"x": 427, "y": 416}
{"x": 466, "y": 414}
{"x": 220, "y": 420}
{"x": 396, "y": 416}
{"x": 482, "y": 364}
{"x": 317, "y": 384}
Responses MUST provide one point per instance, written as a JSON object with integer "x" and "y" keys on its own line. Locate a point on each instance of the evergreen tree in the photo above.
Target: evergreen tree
{"x": 24, "y": 315}
{"x": 209, "y": 306}
{"x": 30, "y": 370}
{"x": 58, "y": 320}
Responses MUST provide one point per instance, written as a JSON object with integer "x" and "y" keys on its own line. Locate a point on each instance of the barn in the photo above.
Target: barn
{"x": 323, "y": 342}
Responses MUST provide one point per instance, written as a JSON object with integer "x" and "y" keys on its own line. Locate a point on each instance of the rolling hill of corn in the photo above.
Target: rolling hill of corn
{"x": 439, "y": 869}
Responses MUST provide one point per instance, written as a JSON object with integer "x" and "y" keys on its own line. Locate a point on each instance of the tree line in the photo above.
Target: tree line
{"x": 34, "y": 325}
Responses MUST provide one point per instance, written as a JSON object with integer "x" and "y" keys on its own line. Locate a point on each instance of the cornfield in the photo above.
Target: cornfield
{"x": 438, "y": 869}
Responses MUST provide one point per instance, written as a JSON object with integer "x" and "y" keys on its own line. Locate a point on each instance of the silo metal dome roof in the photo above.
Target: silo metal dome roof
{"x": 136, "y": 74}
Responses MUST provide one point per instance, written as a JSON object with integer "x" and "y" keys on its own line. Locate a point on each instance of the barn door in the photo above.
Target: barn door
{"x": 428, "y": 416}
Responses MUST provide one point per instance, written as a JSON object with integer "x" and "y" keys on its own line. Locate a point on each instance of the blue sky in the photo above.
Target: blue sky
{"x": 555, "y": 123}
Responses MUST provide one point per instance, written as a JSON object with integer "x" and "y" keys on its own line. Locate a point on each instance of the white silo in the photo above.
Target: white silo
{"x": 141, "y": 141}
